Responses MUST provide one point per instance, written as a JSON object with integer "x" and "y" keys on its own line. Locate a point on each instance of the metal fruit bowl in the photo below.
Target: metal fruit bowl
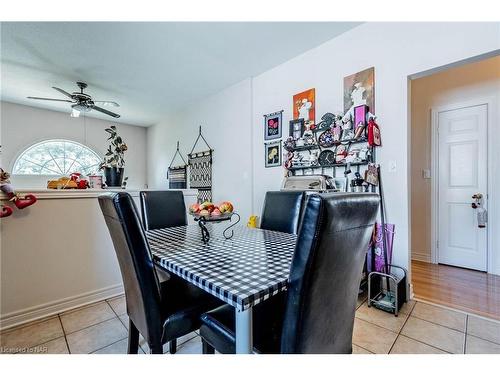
{"x": 210, "y": 218}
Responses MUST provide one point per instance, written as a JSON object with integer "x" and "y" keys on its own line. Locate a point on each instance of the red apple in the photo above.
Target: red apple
{"x": 216, "y": 212}
{"x": 194, "y": 208}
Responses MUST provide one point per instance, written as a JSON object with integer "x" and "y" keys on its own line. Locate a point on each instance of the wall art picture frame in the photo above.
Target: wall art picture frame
{"x": 273, "y": 125}
{"x": 297, "y": 128}
{"x": 304, "y": 104}
{"x": 272, "y": 154}
{"x": 359, "y": 88}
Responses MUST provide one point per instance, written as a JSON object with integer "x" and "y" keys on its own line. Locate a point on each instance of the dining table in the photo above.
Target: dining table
{"x": 244, "y": 270}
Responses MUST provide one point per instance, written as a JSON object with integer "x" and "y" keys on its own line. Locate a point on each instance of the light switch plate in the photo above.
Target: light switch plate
{"x": 426, "y": 174}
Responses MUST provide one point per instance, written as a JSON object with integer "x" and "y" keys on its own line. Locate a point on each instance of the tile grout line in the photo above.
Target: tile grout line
{"x": 428, "y": 321}
{"x": 64, "y": 333}
{"x": 425, "y": 343}
{"x": 465, "y": 338}
{"x": 445, "y": 307}
{"x": 92, "y": 325}
{"x": 401, "y": 329}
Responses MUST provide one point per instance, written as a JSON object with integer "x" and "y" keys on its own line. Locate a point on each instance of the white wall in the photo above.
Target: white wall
{"x": 225, "y": 120}
{"x": 57, "y": 255}
{"x": 474, "y": 81}
{"x": 396, "y": 50}
{"x": 22, "y": 126}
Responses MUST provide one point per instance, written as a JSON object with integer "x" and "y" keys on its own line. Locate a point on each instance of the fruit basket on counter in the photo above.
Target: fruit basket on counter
{"x": 208, "y": 212}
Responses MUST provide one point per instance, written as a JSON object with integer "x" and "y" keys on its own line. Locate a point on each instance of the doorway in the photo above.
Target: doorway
{"x": 454, "y": 121}
{"x": 459, "y": 165}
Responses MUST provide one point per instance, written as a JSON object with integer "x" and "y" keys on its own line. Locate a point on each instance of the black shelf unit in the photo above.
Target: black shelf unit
{"x": 331, "y": 169}
{"x": 336, "y": 165}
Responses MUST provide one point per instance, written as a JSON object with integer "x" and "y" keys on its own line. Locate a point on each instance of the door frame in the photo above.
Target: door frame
{"x": 489, "y": 102}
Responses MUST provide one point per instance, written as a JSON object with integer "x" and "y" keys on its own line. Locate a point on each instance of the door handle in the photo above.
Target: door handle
{"x": 482, "y": 214}
{"x": 478, "y": 200}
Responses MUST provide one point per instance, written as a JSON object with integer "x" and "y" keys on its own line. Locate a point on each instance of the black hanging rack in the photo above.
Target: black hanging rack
{"x": 200, "y": 135}
{"x": 177, "y": 152}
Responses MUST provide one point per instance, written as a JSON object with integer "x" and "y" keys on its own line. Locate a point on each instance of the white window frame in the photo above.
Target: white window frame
{"x": 45, "y": 141}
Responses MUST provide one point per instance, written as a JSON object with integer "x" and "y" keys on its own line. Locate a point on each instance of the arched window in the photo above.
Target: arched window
{"x": 57, "y": 157}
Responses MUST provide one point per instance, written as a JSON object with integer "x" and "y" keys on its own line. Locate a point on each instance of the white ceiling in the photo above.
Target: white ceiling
{"x": 149, "y": 68}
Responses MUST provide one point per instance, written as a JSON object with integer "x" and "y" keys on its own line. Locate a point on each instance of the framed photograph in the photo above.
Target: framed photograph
{"x": 272, "y": 125}
{"x": 304, "y": 106}
{"x": 360, "y": 113}
{"x": 340, "y": 183}
{"x": 297, "y": 128}
{"x": 272, "y": 154}
{"x": 359, "y": 88}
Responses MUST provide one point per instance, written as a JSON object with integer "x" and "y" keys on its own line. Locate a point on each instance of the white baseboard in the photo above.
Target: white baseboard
{"x": 423, "y": 257}
{"x": 47, "y": 309}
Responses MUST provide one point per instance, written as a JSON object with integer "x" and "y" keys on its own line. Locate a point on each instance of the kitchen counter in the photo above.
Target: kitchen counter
{"x": 57, "y": 254}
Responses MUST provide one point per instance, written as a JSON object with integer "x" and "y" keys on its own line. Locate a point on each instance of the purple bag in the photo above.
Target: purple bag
{"x": 376, "y": 248}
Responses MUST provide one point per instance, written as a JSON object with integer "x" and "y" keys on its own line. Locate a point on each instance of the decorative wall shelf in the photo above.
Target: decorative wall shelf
{"x": 328, "y": 166}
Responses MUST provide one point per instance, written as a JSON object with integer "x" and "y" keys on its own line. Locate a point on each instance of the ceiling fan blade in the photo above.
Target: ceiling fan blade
{"x": 105, "y": 111}
{"x": 63, "y": 92}
{"x": 54, "y": 100}
{"x": 107, "y": 102}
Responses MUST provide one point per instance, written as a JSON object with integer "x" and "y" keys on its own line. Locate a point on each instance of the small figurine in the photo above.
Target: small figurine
{"x": 347, "y": 132}
{"x": 341, "y": 154}
{"x": 288, "y": 160}
{"x": 308, "y": 134}
{"x": 289, "y": 144}
{"x": 313, "y": 158}
{"x": 20, "y": 201}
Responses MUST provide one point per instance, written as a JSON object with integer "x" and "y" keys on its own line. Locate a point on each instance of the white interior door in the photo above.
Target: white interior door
{"x": 462, "y": 172}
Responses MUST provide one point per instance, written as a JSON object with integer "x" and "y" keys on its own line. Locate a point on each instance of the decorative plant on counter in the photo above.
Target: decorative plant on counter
{"x": 113, "y": 160}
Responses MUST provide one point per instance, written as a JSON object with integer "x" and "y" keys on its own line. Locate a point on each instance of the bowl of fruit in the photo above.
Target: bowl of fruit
{"x": 209, "y": 211}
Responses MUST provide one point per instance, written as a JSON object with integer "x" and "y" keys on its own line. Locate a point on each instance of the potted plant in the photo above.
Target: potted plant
{"x": 113, "y": 160}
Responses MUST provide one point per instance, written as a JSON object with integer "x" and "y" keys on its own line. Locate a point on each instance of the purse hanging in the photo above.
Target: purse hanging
{"x": 373, "y": 133}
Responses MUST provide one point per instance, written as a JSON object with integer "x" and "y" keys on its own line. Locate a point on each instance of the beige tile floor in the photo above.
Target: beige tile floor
{"x": 420, "y": 328}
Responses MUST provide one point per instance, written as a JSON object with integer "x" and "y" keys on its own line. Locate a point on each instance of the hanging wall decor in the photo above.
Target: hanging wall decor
{"x": 304, "y": 106}
{"x": 177, "y": 175}
{"x": 359, "y": 89}
{"x": 273, "y": 154}
{"x": 200, "y": 176}
{"x": 272, "y": 125}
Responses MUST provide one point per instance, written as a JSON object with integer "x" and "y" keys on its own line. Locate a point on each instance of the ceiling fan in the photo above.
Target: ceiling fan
{"x": 82, "y": 102}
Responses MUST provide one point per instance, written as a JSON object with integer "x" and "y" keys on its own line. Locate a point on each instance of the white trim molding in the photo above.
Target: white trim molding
{"x": 423, "y": 257}
{"x": 56, "y": 307}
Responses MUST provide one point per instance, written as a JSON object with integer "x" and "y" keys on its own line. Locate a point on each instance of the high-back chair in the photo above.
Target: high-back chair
{"x": 282, "y": 211}
{"x": 161, "y": 312}
{"x": 316, "y": 314}
{"x": 163, "y": 209}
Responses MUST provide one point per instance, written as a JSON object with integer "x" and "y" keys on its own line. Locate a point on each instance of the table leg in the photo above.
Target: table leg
{"x": 244, "y": 339}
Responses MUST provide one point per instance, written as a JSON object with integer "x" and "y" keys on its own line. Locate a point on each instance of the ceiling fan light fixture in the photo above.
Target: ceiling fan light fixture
{"x": 75, "y": 113}
{"x": 81, "y": 107}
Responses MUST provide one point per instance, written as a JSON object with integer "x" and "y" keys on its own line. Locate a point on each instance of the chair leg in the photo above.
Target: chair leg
{"x": 172, "y": 346}
{"x": 133, "y": 338}
{"x": 207, "y": 348}
{"x": 156, "y": 349}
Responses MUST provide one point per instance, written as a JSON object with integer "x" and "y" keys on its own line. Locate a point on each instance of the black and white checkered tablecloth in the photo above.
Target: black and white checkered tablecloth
{"x": 242, "y": 271}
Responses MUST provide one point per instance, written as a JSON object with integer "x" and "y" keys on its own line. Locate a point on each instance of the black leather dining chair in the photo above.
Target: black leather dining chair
{"x": 163, "y": 209}
{"x": 316, "y": 313}
{"x": 160, "y": 312}
{"x": 282, "y": 211}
